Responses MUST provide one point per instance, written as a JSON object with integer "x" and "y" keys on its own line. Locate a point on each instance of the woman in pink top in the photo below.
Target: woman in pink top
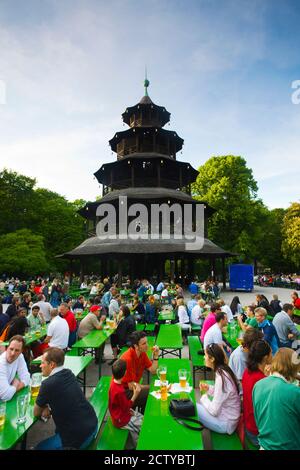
{"x": 222, "y": 413}
{"x": 210, "y": 320}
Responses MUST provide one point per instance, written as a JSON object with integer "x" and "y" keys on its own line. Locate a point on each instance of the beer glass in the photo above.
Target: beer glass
{"x": 22, "y": 402}
{"x": 162, "y": 373}
{"x": 163, "y": 390}
{"x": 2, "y": 413}
{"x": 36, "y": 381}
{"x": 183, "y": 376}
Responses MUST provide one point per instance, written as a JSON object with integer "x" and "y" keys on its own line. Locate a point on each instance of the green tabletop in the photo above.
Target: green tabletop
{"x": 169, "y": 336}
{"x": 296, "y": 312}
{"x": 31, "y": 337}
{"x": 94, "y": 339}
{"x": 298, "y": 327}
{"x": 160, "y": 431}
{"x": 11, "y": 432}
{"x": 166, "y": 315}
{"x": 80, "y": 316}
{"x": 75, "y": 363}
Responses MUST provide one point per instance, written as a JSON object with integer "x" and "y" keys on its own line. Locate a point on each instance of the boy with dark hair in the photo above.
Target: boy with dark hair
{"x": 120, "y": 407}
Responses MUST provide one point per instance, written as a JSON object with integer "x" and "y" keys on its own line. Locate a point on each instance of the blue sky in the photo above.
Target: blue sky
{"x": 223, "y": 69}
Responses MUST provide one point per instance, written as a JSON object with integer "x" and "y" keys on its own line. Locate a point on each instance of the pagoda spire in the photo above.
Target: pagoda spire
{"x": 146, "y": 82}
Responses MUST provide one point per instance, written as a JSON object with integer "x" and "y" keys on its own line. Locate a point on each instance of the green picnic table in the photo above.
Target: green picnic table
{"x": 76, "y": 364}
{"x": 160, "y": 431}
{"x": 169, "y": 340}
{"x": 81, "y": 315}
{"x": 165, "y": 315}
{"x": 296, "y": 312}
{"x": 94, "y": 340}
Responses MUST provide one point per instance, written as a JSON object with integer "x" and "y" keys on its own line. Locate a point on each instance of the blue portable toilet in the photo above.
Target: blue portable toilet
{"x": 241, "y": 277}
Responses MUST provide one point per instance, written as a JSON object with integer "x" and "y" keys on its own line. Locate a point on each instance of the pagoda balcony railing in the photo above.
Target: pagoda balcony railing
{"x": 143, "y": 121}
{"x": 123, "y": 150}
{"x": 144, "y": 183}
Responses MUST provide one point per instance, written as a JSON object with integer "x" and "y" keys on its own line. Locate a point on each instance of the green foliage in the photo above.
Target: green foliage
{"x": 43, "y": 212}
{"x": 22, "y": 252}
{"x": 291, "y": 234}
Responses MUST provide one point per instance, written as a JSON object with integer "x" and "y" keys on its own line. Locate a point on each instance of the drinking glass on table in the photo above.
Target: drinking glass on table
{"x": 162, "y": 373}
{"x": 2, "y": 413}
{"x": 183, "y": 376}
{"x": 163, "y": 390}
{"x": 36, "y": 381}
{"x": 22, "y": 403}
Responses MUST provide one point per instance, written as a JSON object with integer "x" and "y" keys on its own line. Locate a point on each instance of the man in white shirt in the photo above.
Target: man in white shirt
{"x": 226, "y": 309}
{"x": 214, "y": 333}
{"x": 238, "y": 358}
{"x": 197, "y": 316}
{"x": 45, "y": 307}
{"x": 58, "y": 331}
{"x": 114, "y": 307}
{"x": 12, "y": 363}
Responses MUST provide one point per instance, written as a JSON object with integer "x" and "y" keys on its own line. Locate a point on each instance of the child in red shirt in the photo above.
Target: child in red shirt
{"x": 120, "y": 407}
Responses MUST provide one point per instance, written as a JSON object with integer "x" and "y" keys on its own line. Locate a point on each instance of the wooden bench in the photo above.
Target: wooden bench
{"x": 195, "y": 328}
{"x": 198, "y": 361}
{"x": 99, "y": 401}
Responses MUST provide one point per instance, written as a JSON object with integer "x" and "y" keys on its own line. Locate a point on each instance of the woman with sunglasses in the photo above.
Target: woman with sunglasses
{"x": 222, "y": 413}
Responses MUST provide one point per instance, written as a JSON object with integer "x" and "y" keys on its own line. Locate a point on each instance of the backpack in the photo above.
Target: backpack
{"x": 4, "y": 332}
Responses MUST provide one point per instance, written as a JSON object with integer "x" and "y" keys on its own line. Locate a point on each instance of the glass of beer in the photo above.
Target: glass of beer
{"x": 36, "y": 381}
{"x": 22, "y": 403}
{"x": 183, "y": 377}
{"x": 2, "y": 413}
{"x": 163, "y": 391}
{"x": 162, "y": 373}
{"x": 239, "y": 339}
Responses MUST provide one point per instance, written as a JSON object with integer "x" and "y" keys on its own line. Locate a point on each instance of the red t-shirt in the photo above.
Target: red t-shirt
{"x": 70, "y": 319}
{"x": 297, "y": 303}
{"x": 135, "y": 366}
{"x": 119, "y": 405}
{"x": 248, "y": 381}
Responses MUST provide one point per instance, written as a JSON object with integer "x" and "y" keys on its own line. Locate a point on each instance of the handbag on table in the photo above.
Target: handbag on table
{"x": 181, "y": 410}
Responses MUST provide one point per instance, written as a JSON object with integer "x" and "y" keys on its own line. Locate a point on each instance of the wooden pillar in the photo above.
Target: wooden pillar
{"x": 161, "y": 268}
{"x": 81, "y": 271}
{"x": 176, "y": 267}
{"x": 172, "y": 267}
{"x": 120, "y": 271}
{"x": 103, "y": 267}
{"x": 223, "y": 273}
{"x": 191, "y": 271}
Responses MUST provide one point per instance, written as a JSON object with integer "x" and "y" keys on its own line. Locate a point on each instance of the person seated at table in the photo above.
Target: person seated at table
{"x": 138, "y": 309}
{"x": 137, "y": 362}
{"x": 225, "y": 308}
{"x": 183, "y": 319}
{"x": 295, "y": 300}
{"x": 18, "y": 324}
{"x": 35, "y": 319}
{"x": 222, "y": 413}
{"x": 74, "y": 417}
{"x": 258, "y": 360}
{"x": 120, "y": 407}
{"x": 214, "y": 333}
{"x": 235, "y": 306}
{"x": 65, "y": 312}
{"x": 151, "y": 310}
{"x": 262, "y": 301}
{"x": 268, "y": 329}
{"x": 238, "y": 357}
{"x": 165, "y": 297}
{"x": 79, "y": 304}
{"x": 57, "y": 334}
{"x": 91, "y": 321}
{"x": 121, "y": 337}
{"x": 210, "y": 320}
{"x": 276, "y": 403}
{"x": 14, "y": 374}
{"x": 198, "y": 315}
{"x": 286, "y": 329}
{"x": 276, "y": 304}
{"x": 192, "y": 302}
{"x": 179, "y": 290}
{"x": 250, "y": 321}
{"x": 114, "y": 307}
{"x": 193, "y": 288}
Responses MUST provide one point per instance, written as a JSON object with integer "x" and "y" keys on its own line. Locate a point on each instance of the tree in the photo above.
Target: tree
{"x": 227, "y": 185}
{"x": 291, "y": 234}
{"x": 22, "y": 253}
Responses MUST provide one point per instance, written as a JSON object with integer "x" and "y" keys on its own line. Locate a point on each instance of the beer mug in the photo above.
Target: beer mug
{"x": 2, "y": 413}
{"x": 162, "y": 373}
{"x": 183, "y": 376}
{"x": 240, "y": 337}
{"x": 163, "y": 390}
{"x": 36, "y": 381}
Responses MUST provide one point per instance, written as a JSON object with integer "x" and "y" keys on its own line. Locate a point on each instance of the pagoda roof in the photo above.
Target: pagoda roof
{"x": 146, "y": 101}
{"x": 132, "y": 131}
{"x": 96, "y": 246}
{"x": 146, "y": 194}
